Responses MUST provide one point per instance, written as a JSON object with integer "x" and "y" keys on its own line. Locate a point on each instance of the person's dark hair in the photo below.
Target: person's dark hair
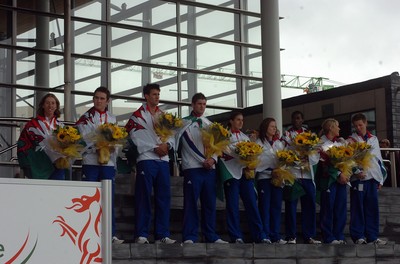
{"x": 40, "y": 110}
{"x": 198, "y": 96}
{"x": 233, "y": 115}
{"x": 295, "y": 113}
{"x": 103, "y": 89}
{"x": 264, "y": 127}
{"x": 359, "y": 116}
{"x": 150, "y": 86}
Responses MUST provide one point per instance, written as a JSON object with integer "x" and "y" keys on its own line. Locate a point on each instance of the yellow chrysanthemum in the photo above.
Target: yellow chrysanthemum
{"x": 215, "y": 139}
{"x": 248, "y": 152}
{"x": 342, "y": 158}
{"x": 166, "y": 125}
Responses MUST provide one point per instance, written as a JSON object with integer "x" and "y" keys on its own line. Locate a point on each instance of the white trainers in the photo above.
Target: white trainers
{"x": 360, "y": 241}
{"x": 313, "y": 241}
{"x": 166, "y": 240}
{"x": 220, "y": 241}
{"x": 188, "y": 241}
{"x": 335, "y": 242}
{"x": 116, "y": 240}
{"x": 280, "y": 242}
{"x": 266, "y": 241}
{"x": 379, "y": 242}
{"x": 239, "y": 241}
{"x": 291, "y": 241}
{"x": 142, "y": 240}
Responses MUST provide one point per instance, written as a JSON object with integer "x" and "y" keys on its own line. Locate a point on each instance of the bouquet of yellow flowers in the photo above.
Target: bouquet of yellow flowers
{"x": 362, "y": 154}
{"x": 166, "y": 125}
{"x": 65, "y": 142}
{"x": 216, "y": 139}
{"x": 249, "y": 152}
{"x": 341, "y": 157}
{"x": 107, "y": 137}
{"x": 305, "y": 142}
{"x": 287, "y": 159}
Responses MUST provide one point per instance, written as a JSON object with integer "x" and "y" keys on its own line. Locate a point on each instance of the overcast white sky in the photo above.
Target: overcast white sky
{"x": 347, "y": 41}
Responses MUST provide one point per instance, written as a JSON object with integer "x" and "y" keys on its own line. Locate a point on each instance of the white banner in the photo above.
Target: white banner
{"x": 45, "y": 221}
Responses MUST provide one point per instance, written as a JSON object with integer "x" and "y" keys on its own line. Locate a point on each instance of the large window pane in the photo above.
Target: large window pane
{"x": 210, "y": 54}
{"x": 253, "y": 6}
{"x": 225, "y": 3}
{"x": 148, "y": 14}
{"x": 254, "y": 62}
{"x": 254, "y": 93}
{"x": 164, "y": 16}
{"x": 25, "y": 68}
{"x": 27, "y": 31}
{"x": 145, "y": 47}
{"x": 123, "y": 109}
{"x": 125, "y": 79}
{"x": 88, "y": 38}
{"x": 168, "y": 89}
{"x": 207, "y": 23}
{"x": 87, "y": 75}
{"x": 215, "y": 85}
{"x": 56, "y": 7}
{"x": 253, "y": 30}
{"x": 164, "y": 54}
{"x": 92, "y": 9}
{"x": 82, "y": 104}
{"x": 56, "y": 75}
{"x": 24, "y": 107}
{"x": 127, "y": 44}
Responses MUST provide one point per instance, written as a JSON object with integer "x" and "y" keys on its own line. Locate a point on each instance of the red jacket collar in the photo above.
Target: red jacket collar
{"x": 148, "y": 108}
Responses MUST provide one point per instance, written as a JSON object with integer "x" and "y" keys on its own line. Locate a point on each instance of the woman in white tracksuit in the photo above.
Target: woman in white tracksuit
{"x": 269, "y": 195}
{"x": 237, "y": 185}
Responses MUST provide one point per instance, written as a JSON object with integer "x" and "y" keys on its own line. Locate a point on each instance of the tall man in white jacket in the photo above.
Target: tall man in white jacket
{"x": 152, "y": 169}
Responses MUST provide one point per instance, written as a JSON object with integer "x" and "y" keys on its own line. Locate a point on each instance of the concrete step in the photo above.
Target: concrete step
{"x": 389, "y": 205}
{"x": 255, "y": 253}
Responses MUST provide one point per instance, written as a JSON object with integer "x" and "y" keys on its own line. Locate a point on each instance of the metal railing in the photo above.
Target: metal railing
{"x": 12, "y": 122}
{"x": 392, "y": 162}
{"x": 16, "y": 122}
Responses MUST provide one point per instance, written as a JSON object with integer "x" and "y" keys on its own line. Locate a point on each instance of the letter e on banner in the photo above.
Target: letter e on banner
{"x": 1, "y": 250}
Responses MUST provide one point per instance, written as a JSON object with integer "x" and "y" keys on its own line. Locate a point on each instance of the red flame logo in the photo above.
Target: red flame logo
{"x": 86, "y": 238}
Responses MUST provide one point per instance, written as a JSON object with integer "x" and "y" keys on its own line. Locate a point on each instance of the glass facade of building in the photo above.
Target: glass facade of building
{"x": 213, "y": 47}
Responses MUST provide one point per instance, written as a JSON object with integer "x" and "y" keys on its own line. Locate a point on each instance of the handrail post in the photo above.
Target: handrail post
{"x": 393, "y": 171}
{"x": 106, "y": 237}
